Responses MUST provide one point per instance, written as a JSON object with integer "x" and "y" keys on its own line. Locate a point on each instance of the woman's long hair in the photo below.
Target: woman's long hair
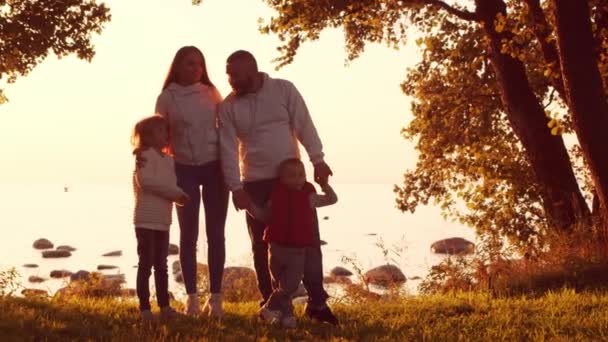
{"x": 179, "y": 56}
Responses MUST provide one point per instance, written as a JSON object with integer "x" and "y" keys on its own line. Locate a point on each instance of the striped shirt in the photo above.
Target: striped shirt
{"x": 155, "y": 188}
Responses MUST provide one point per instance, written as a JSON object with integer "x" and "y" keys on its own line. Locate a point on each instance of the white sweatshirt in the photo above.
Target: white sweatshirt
{"x": 262, "y": 129}
{"x": 191, "y": 111}
{"x": 155, "y": 188}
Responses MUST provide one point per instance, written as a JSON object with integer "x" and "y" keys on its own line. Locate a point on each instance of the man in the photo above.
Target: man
{"x": 261, "y": 122}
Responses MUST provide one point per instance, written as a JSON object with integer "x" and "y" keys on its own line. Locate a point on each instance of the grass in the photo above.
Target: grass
{"x": 559, "y": 316}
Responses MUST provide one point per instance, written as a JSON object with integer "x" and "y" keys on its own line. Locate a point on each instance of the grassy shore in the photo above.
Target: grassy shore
{"x": 563, "y": 316}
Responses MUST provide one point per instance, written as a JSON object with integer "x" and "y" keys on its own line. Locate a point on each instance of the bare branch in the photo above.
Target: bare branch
{"x": 550, "y": 98}
{"x": 462, "y": 14}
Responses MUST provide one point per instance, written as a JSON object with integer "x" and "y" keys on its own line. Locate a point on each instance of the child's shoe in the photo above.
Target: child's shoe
{"x": 168, "y": 313}
{"x": 147, "y": 316}
{"x": 289, "y": 322}
{"x": 213, "y": 306}
{"x": 270, "y": 316}
{"x": 192, "y": 305}
{"x": 322, "y": 314}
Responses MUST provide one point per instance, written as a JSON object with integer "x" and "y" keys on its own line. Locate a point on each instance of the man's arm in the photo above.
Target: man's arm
{"x": 261, "y": 214}
{"x": 329, "y": 197}
{"x": 302, "y": 124}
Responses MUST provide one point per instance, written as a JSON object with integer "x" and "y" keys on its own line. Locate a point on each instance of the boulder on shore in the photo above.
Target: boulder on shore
{"x": 56, "y": 254}
{"x": 42, "y": 244}
{"x": 385, "y": 275}
{"x": 340, "y": 271}
{"x": 451, "y": 246}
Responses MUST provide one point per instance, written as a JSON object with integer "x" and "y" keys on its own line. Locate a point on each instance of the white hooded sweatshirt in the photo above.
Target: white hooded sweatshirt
{"x": 191, "y": 111}
{"x": 262, "y": 129}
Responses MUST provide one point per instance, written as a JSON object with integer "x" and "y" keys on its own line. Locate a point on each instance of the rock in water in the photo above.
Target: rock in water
{"x": 56, "y": 254}
{"x": 34, "y": 292}
{"x": 65, "y": 248}
{"x": 339, "y": 271}
{"x": 80, "y": 275}
{"x": 35, "y": 279}
{"x": 173, "y": 249}
{"x": 60, "y": 273}
{"x": 453, "y": 246}
{"x": 112, "y": 254}
{"x": 42, "y": 244}
{"x": 385, "y": 275}
{"x": 106, "y": 267}
{"x": 30, "y": 265}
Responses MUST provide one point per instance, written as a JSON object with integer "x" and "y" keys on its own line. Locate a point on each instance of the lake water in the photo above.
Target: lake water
{"x": 96, "y": 219}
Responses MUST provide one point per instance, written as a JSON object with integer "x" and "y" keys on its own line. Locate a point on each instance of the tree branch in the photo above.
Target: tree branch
{"x": 462, "y": 14}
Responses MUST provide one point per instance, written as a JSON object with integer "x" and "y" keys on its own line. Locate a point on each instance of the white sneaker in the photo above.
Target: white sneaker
{"x": 213, "y": 306}
{"x": 289, "y": 322}
{"x": 192, "y": 305}
{"x": 270, "y": 316}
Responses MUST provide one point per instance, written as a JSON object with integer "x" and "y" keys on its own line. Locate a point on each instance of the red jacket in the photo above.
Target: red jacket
{"x": 292, "y": 218}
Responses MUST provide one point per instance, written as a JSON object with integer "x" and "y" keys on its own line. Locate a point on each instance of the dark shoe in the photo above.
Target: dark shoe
{"x": 323, "y": 315}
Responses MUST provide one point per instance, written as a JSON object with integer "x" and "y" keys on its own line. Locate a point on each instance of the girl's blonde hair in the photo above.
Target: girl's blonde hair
{"x": 142, "y": 132}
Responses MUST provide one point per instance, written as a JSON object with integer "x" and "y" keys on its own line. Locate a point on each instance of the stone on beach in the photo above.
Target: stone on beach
{"x": 112, "y": 254}
{"x": 56, "y": 254}
{"x": 60, "y": 273}
{"x": 451, "y": 246}
{"x": 340, "y": 272}
{"x": 385, "y": 275}
{"x": 42, "y": 244}
{"x": 30, "y": 265}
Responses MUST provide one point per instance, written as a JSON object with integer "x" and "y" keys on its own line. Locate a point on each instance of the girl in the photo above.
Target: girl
{"x": 290, "y": 216}
{"x": 189, "y": 101}
{"x": 155, "y": 188}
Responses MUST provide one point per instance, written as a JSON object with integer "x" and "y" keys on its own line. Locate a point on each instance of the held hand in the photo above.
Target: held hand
{"x": 322, "y": 173}
{"x": 182, "y": 200}
{"x": 241, "y": 200}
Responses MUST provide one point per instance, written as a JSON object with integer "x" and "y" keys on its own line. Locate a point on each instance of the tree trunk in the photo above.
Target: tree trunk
{"x": 584, "y": 89}
{"x": 562, "y": 199}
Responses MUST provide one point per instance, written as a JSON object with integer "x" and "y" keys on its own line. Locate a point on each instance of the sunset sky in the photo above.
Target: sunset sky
{"x": 69, "y": 121}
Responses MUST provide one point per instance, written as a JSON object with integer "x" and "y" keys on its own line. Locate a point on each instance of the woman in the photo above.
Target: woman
{"x": 189, "y": 101}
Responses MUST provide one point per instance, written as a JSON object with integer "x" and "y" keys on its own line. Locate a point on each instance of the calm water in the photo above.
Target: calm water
{"x": 97, "y": 219}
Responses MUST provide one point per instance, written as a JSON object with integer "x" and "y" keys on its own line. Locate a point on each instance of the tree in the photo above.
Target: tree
{"x": 493, "y": 48}
{"x": 30, "y": 29}
{"x": 584, "y": 88}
